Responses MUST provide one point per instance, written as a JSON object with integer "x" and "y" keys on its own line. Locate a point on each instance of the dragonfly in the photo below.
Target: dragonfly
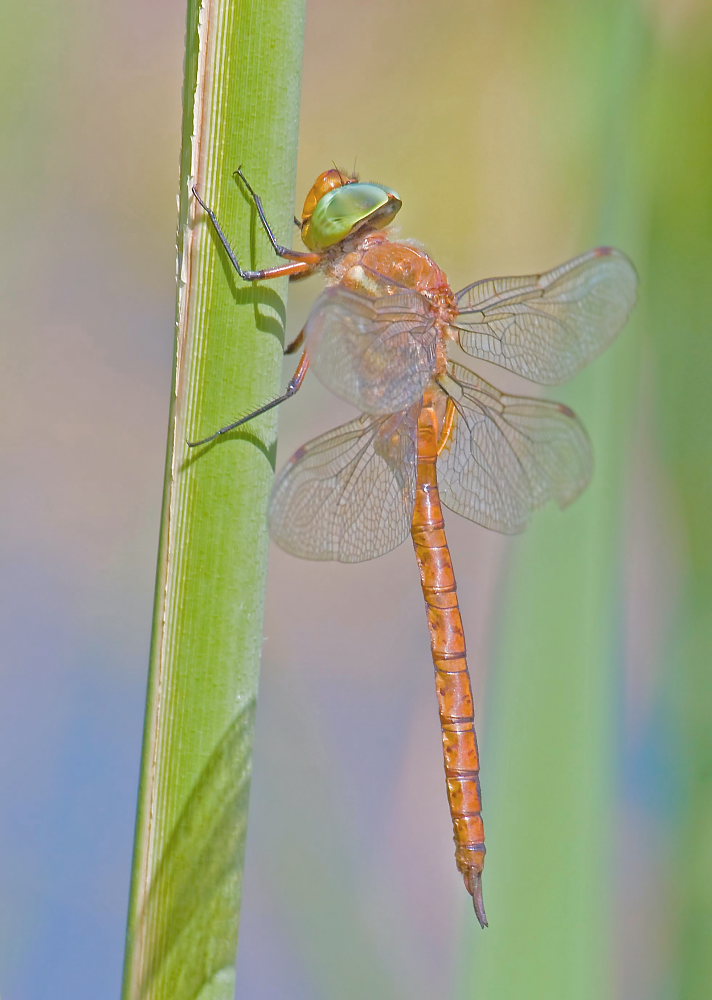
{"x": 431, "y": 431}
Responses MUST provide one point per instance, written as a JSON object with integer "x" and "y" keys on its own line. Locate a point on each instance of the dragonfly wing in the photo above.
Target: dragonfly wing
{"x": 377, "y": 353}
{"x": 508, "y": 455}
{"x": 546, "y": 327}
{"x": 349, "y": 494}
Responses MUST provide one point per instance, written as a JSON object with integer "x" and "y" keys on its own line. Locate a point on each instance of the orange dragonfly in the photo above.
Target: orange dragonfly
{"x": 431, "y": 431}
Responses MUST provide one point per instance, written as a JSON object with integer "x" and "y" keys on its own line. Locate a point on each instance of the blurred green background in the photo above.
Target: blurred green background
{"x": 518, "y": 134}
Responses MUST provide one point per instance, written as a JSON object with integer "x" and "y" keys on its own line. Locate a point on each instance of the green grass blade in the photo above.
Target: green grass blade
{"x": 241, "y": 101}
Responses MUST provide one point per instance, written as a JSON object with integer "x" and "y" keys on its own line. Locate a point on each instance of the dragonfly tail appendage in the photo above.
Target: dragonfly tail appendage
{"x": 452, "y": 679}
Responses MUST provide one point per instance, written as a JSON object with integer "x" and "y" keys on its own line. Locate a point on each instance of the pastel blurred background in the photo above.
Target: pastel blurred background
{"x": 518, "y": 134}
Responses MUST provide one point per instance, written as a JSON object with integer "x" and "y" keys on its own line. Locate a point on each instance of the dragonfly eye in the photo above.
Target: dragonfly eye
{"x": 341, "y": 211}
{"x": 324, "y": 183}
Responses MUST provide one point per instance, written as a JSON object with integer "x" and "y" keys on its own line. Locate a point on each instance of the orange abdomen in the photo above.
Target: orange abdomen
{"x": 452, "y": 677}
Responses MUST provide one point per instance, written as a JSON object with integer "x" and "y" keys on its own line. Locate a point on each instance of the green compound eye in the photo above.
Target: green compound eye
{"x": 339, "y": 212}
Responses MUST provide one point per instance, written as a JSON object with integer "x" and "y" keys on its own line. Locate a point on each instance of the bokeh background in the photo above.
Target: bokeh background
{"x": 518, "y": 134}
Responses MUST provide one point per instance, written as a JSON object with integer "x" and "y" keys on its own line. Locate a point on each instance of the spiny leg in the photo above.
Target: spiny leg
{"x": 302, "y": 266}
{"x": 295, "y": 344}
{"x": 294, "y": 268}
{"x": 293, "y": 387}
{"x": 448, "y": 424}
{"x": 280, "y": 250}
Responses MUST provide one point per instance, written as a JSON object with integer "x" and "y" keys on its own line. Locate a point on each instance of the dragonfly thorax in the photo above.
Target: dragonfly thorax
{"x": 373, "y": 264}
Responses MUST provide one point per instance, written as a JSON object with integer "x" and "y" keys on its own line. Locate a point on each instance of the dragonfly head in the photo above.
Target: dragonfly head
{"x": 338, "y": 205}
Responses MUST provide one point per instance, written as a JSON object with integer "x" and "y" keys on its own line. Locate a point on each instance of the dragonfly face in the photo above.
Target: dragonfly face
{"x": 430, "y": 429}
{"x": 338, "y": 205}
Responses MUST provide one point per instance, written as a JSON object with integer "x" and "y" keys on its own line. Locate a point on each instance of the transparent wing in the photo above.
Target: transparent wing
{"x": 377, "y": 353}
{"x": 349, "y": 494}
{"x": 548, "y": 326}
{"x": 509, "y": 454}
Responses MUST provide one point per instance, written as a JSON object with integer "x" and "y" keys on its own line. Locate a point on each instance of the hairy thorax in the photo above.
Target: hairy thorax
{"x": 371, "y": 264}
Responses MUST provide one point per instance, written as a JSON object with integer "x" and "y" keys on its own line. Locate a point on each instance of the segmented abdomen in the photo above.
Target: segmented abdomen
{"x": 452, "y": 679}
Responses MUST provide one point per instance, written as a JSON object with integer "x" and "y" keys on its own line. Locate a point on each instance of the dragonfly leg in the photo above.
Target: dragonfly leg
{"x": 447, "y": 426}
{"x": 277, "y": 247}
{"x": 293, "y": 387}
{"x": 294, "y": 268}
{"x": 295, "y": 344}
